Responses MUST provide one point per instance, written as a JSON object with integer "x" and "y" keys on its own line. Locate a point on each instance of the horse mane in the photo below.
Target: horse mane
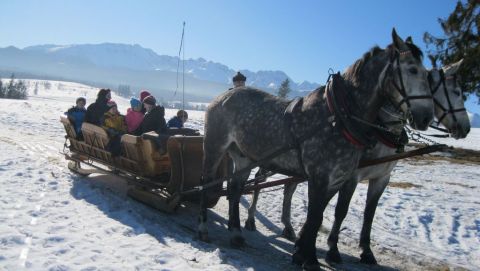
{"x": 352, "y": 73}
{"x": 416, "y": 52}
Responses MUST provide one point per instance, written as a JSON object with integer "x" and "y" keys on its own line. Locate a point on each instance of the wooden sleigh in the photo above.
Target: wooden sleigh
{"x": 155, "y": 179}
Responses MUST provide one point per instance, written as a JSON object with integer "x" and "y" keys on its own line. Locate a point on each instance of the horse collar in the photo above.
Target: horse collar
{"x": 393, "y": 140}
{"x": 339, "y": 104}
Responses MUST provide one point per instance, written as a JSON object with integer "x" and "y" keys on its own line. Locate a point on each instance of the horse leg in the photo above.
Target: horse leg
{"x": 288, "y": 191}
{"x": 344, "y": 196}
{"x": 235, "y": 189}
{"x": 375, "y": 191}
{"x": 250, "y": 223}
{"x": 213, "y": 155}
{"x": 305, "y": 250}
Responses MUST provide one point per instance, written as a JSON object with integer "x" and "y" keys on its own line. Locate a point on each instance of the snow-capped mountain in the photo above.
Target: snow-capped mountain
{"x": 136, "y": 57}
{"x": 474, "y": 120}
{"x": 473, "y": 108}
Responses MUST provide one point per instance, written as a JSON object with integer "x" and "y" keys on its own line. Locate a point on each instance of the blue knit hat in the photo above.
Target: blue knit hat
{"x": 135, "y": 103}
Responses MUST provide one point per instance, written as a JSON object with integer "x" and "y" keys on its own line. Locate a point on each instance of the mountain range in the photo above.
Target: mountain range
{"x": 111, "y": 64}
{"x": 114, "y": 64}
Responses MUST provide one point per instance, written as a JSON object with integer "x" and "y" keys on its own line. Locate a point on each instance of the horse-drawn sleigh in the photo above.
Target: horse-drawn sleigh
{"x": 322, "y": 138}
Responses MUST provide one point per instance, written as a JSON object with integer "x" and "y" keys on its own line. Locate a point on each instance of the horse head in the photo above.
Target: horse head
{"x": 405, "y": 82}
{"x": 448, "y": 98}
{"x": 394, "y": 75}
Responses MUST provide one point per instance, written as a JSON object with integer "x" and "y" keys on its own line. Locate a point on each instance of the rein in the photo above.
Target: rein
{"x": 403, "y": 155}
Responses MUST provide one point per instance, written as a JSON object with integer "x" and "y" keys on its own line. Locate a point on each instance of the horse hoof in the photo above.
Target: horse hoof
{"x": 203, "y": 236}
{"x": 250, "y": 225}
{"x": 368, "y": 258}
{"x": 333, "y": 257}
{"x": 297, "y": 258}
{"x": 315, "y": 266}
{"x": 289, "y": 234}
{"x": 237, "y": 241}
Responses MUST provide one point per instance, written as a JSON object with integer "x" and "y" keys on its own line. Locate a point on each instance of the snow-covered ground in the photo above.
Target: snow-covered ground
{"x": 51, "y": 219}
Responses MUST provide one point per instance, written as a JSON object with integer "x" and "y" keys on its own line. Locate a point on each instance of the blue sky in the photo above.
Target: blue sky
{"x": 302, "y": 38}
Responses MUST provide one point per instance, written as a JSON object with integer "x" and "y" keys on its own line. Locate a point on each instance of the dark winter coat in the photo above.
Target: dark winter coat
{"x": 96, "y": 111}
{"x": 154, "y": 121}
{"x": 76, "y": 116}
{"x": 175, "y": 122}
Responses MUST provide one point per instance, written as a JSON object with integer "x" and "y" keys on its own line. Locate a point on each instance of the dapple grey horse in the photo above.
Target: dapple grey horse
{"x": 449, "y": 111}
{"x": 249, "y": 124}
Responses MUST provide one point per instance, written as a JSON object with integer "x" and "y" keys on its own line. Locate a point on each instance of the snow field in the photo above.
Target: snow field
{"x": 51, "y": 219}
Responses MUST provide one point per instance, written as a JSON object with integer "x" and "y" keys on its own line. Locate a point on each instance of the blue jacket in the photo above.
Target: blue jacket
{"x": 76, "y": 117}
{"x": 175, "y": 122}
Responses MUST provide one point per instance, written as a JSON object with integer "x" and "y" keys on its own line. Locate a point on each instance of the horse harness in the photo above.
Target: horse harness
{"x": 340, "y": 104}
{"x": 450, "y": 109}
{"x": 401, "y": 89}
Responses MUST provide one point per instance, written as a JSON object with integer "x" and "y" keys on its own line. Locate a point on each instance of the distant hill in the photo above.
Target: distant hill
{"x": 114, "y": 64}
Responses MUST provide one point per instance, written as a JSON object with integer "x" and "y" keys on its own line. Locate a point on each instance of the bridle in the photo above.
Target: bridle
{"x": 446, "y": 111}
{"x": 401, "y": 89}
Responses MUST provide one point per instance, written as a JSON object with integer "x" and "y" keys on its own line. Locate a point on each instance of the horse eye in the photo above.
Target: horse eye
{"x": 413, "y": 70}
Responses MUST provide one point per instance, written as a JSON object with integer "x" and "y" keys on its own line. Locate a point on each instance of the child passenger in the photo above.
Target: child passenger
{"x": 114, "y": 124}
{"x": 76, "y": 115}
{"x": 179, "y": 120}
{"x": 134, "y": 117}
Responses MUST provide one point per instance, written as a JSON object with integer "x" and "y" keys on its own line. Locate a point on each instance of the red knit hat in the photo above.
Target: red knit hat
{"x": 143, "y": 94}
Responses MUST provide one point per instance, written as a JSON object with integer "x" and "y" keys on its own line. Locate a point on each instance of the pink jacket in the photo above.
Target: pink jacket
{"x": 133, "y": 120}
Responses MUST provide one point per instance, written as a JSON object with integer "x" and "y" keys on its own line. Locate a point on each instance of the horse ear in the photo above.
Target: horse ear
{"x": 397, "y": 41}
{"x": 453, "y": 68}
{"x": 409, "y": 40}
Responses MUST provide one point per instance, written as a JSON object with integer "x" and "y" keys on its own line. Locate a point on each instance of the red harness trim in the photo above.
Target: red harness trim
{"x": 348, "y": 136}
{"x": 385, "y": 141}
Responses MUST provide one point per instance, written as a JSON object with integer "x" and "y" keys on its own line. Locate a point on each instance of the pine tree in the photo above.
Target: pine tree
{"x": 461, "y": 40}
{"x": 284, "y": 89}
{"x": 35, "y": 90}
{"x": 10, "y": 90}
{"x": 20, "y": 90}
{"x": 124, "y": 91}
{"x": 1, "y": 89}
{"x": 47, "y": 85}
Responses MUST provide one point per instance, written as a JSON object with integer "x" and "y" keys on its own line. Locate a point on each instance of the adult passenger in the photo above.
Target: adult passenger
{"x": 96, "y": 110}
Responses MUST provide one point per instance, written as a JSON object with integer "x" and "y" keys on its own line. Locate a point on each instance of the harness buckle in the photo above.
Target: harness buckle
{"x": 331, "y": 119}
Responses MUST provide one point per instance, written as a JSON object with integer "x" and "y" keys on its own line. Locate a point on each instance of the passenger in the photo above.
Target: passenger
{"x": 143, "y": 95}
{"x": 179, "y": 120}
{"x": 96, "y": 110}
{"x": 154, "y": 119}
{"x": 238, "y": 80}
{"x": 134, "y": 117}
{"x": 114, "y": 124}
{"x": 76, "y": 115}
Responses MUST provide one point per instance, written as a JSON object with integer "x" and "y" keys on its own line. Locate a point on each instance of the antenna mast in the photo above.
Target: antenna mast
{"x": 181, "y": 56}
